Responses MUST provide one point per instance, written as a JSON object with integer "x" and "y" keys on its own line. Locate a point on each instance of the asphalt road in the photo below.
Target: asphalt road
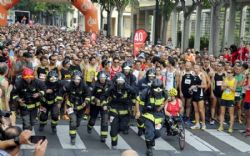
{"x": 198, "y": 142}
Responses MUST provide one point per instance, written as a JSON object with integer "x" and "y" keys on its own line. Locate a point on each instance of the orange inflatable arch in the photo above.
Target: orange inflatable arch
{"x": 86, "y": 7}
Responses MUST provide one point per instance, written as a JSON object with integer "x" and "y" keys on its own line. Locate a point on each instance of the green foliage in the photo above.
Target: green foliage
{"x": 108, "y": 5}
{"x": 167, "y": 6}
{"x": 121, "y": 4}
{"x": 36, "y": 7}
{"x": 206, "y": 4}
{"x": 204, "y": 42}
{"x": 191, "y": 42}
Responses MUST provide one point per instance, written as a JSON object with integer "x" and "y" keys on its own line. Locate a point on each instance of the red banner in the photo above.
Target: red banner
{"x": 3, "y": 16}
{"x": 139, "y": 40}
{"x": 91, "y": 14}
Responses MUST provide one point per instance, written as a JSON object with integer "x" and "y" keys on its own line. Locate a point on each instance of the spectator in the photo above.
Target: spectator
{"x": 129, "y": 153}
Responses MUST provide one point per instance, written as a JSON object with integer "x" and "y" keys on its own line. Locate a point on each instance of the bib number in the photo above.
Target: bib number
{"x": 158, "y": 126}
{"x": 237, "y": 94}
{"x": 219, "y": 83}
{"x": 70, "y": 111}
{"x": 195, "y": 89}
{"x": 187, "y": 81}
{"x": 111, "y": 119}
{"x": 42, "y": 76}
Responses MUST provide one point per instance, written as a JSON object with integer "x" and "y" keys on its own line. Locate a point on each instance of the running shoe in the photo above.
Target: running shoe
{"x": 212, "y": 122}
{"x": 220, "y": 129}
{"x": 204, "y": 127}
{"x": 230, "y": 130}
{"x": 196, "y": 126}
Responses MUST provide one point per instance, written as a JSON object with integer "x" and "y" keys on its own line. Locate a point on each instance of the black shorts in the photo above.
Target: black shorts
{"x": 247, "y": 105}
{"x": 227, "y": 103}
{"x": 217, "y": 94}
{"x": 186, "y": 94}
{"x": 197, "y": 98}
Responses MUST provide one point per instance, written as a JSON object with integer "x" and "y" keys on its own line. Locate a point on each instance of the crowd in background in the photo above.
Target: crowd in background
{"x": 219, "y": 83}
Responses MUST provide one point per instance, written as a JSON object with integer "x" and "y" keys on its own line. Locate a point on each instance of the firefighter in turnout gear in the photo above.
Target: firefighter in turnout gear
{"x": 78, "y": 96}
{"x": 144, "y": 84}
{"x": 146, "y": 81}
{"x": 49, "y": 103}
{"x": 27, "y": 93}
{"x": 99, "y": 104}
{"x": 152, "y": 101}
{"x": 119, "y": 94}
{"x": 130, "y": 80}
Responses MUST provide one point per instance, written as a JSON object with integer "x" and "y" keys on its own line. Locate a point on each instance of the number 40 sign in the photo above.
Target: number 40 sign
{"x": 140, "y": 37}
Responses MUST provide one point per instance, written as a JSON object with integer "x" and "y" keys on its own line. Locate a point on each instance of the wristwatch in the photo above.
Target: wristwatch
{"x": 17, "y": 140}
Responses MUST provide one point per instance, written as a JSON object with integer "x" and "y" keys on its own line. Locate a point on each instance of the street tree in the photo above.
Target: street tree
{"x": 215, "y": 25}
{"x": 187, "y": 11}
{"x": 108, "y": 6}
{"x": 167, "y": 7}
{"x": 121, "y": 5}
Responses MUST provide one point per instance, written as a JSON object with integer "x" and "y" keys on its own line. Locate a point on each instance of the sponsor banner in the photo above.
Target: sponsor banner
{"x": 140, "y": 37}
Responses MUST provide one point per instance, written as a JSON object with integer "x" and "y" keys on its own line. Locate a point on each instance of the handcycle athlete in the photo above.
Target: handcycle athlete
{"x": 173, "y": 113}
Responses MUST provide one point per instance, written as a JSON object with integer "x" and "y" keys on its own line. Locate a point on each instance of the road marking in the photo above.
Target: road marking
{"x": 27, "y": 146}
{"x": 230, "y": 140}
{"x": 198, "y": 143}
{"x": 160, "y": 144}
{"x": 64, "y": 138}
{"x": 121, "y": 142}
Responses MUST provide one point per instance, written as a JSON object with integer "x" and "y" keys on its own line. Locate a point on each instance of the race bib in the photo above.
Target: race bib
{"x": 111, "y": 119}
{"x": 195, "y": 89}
{"x": 158, "y": 126}
{"x": 70, "y": 111}
{"x": 42, "y": 76}
{"x": 237, "y": 94}
{"x": 219, "y": 83}
{"x": 187, "y": 81}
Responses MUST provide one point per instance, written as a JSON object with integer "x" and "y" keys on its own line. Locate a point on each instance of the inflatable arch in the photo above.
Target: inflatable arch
{"x": 86, "y": 7}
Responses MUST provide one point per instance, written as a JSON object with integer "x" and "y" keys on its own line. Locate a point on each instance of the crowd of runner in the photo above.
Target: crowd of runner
{"x": 208, "y": 86}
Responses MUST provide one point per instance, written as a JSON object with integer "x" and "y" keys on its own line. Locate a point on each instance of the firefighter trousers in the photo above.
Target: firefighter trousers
{"x": 94, "y": 112}
{"x": 54, "y": 111}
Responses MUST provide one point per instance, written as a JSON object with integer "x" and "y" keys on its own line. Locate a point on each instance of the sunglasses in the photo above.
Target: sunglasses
{"x": 116, "y": 62}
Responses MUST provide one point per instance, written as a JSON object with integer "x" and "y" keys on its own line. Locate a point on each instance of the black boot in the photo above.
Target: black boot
{"x": 41, "y": 127}
{"x": 126, "y": 132}
{"x": 149, "y": 148}
{"x": 103, "y": 139}
{"x": 89, "y": 129}
{"x": 140, "y": 132}
{"x": 53, "y": 128}
{"x": 73, "y": 141}
{"x": 153, "y": 143}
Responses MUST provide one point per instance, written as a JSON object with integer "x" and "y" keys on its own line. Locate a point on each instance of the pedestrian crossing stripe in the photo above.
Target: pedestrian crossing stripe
{"x": 230, "y": 140}
{"x": 64, "y": 138}
{"x": 122, "y": 144}
{"x": 160, "y": 144}
{"x": 198, "y": 143}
